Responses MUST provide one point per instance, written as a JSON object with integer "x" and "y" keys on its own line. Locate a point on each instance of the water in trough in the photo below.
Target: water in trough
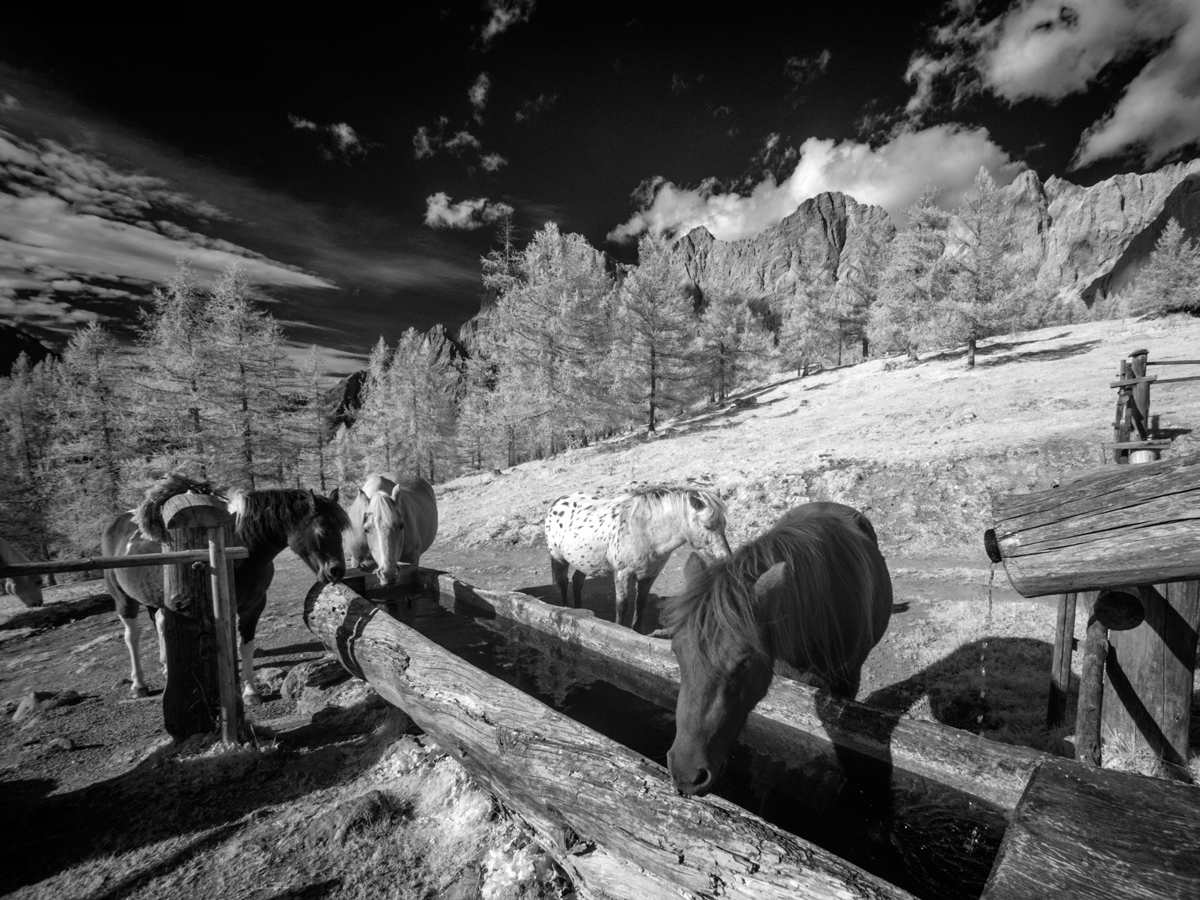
{"x": 916, "y": 834}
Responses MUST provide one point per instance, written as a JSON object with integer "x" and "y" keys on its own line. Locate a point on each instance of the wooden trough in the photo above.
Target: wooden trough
{"x": 609, "y": 815}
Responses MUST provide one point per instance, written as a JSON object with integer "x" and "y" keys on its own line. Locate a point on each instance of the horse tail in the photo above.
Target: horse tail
{"x": 148, "y": 514}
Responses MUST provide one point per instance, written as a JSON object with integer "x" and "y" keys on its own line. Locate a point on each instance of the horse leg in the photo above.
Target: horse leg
{"x": 137, "y": 680}
{"x": 160, "y": 626}
{"x": 639, "y": 607}
{"x": 626, "y": 586}
{"x": 247, "y": 624}
{"x": 558, "y": 568}
{"x": 577, "y": 581}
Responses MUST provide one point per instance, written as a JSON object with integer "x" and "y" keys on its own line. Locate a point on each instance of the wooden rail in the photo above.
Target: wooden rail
{"x": 133, "y": 561}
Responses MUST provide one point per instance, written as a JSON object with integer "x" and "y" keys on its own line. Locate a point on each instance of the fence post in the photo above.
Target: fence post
{"x": 201, "y": 691}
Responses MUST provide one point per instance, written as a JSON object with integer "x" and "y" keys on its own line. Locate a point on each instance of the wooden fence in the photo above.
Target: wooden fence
{"x": 200, "y": 622}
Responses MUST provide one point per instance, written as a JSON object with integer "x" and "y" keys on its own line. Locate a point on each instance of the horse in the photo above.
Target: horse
{"x": 265, "y": 522}
{"x": 631, "y": 537}
{"x": 28, "y": 588}
{"x": 393, "y": 520}
{"x": 808, "y": 598}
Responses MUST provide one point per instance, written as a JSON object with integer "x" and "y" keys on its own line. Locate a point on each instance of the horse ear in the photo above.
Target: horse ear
{"x": 696, "y": 500}
{"x": 396, "y": 492}
{"x": 693, "y": 567}
{"x": 771, "y": 581}
{"x": 333, "y": 495}
{"x": 363, "y": 495}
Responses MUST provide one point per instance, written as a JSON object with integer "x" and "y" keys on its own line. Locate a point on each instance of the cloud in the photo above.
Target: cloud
{"x": 492, "y": 162}
{"x": 466, "y": 214}
{"x": 1049, "y": 49}
{"x": 461, "y": 142}
{"x": 341, "y": 140}
{"x": 539, "y": 104}
{"x": 506, "y": 14}
{"x": 681, "y": 82}
{"x": 10, "y": 103}
{"x": 804, "y": 70}
{"x": 478, "y": 94}
{"x": 891, "y": 175}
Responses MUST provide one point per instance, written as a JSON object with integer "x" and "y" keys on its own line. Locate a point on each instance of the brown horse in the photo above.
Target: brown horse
{"x": 812, "y": 593}
{"x": 265, "y": 523}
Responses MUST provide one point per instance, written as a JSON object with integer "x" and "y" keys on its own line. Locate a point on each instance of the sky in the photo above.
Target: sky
{"x": 357, "y": 165}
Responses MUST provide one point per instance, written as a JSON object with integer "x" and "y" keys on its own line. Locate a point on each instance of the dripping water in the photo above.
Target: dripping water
{"x": 983, "y": 646}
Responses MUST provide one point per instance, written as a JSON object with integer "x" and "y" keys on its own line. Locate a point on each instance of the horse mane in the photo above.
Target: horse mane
{"x": 261, "y": 515}
{"x": 147, "y": 516}
{"x": 653, "y": 498}
{"x": 384, "y": 508}
{"x": 11, "y": 555}
{"x": 825, "y": 558}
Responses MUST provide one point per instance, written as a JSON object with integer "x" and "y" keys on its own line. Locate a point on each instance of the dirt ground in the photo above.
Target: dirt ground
{"x": 88, "y": 782}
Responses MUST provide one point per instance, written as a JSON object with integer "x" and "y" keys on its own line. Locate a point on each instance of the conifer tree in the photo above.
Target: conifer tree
{"x": 1170, "y": 279}
{"x": 731, "y": 344}
{"x": 26, "y": 439}
{"x": 912, "y": 282}
{"x": 655, "y": 326}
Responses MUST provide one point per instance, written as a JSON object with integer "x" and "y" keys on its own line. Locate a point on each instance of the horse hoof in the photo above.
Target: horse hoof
{"x": 252, "y": 699}
{"x": 139, "y": 692}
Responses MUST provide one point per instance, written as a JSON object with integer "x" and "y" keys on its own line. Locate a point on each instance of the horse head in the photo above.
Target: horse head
{"x": 383, "y": 533}
{"x": 706, "y": 524}
{"x": 28, "y": 589}
{"x": 724, "y": 669}
{"x": 316, "y": 536}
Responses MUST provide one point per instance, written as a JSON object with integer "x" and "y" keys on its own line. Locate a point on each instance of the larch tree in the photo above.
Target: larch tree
{"x": 655, "y": 325}
{"x": 1169, "y": 281}
{"x": 912, "y": 281}
{"x": 177, "y": 417}
{"x": 93, "y": 436}
{"x": 248, "y": 344}
{"x": 990, "y": 276}
{"x": 26, "y": 439}
{"x": 378, "y": 422}
{"x": 732, "y": 344}
{"x": 422, "y": 386}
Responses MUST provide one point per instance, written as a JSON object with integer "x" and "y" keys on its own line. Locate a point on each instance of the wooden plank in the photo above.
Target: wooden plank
{"x": 610, "y": 816}
{"x": 133, "y": 561}
{"x": 1060, "y": 665}
{"x": 1153, "y": 444}
{"x": 1095, "y": 833}
{"x": 1128, "y": 381}
{"x": 794, "y": 721}
{"x": 1091, "y": 693}
{"x": 1138, "y": 525}
{"x": 1173, "y": 362}
{"x": 1179, "y": 379}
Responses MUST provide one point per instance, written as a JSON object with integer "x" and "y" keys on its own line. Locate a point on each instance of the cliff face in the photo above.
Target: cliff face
{"x": 830, "y": 230}
{"x": 1089, "y": 242}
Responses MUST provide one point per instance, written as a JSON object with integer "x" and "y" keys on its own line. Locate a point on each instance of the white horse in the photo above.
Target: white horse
{"x": 28, "y": 588}
{"x": 631, "y": 537}
{"x": 393, "y": 520}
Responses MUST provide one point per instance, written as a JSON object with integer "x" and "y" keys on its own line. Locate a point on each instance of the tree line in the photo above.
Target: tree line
{"x": 567, "y": 349}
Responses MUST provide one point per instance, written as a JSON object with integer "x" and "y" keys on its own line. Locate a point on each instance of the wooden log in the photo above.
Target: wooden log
{"x": 1081, "y": 832}
{"x": 1132, "y": 525}
{"x": 794, "y": 721}
{"x": 611, "y": 816}
{"x": 193, "y": 693}
{"x": 1091, "y": 693}
{"x": 133, "y": 561}
{"x": 1060, "y": 665}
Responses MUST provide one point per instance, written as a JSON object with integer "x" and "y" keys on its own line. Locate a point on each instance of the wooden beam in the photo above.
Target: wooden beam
{"x": 1127, "y": 381}
{"x": 609, "y": 815}
{"x": 793, "y": 722}
{"x": 1129, "y": 525}
{"x": 1085, "y": 833}
{"x": 1153, "y": 444}
{"x": 133, "y": 561}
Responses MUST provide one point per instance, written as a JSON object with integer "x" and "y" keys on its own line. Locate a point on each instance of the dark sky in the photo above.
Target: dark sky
{"x": 356, "y": 163}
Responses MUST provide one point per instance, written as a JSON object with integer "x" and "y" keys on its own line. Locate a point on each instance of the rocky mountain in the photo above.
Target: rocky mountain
{"x": 831, "y": 230}
{"x": 14, "y": 342}
{"x": 1089, "y": 241}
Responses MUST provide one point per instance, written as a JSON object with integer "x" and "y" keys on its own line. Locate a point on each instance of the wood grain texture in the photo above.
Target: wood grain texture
{"x": 793, "y": 721}
{"x": 1130, "y": 525}
{"x": 1083, "y": 832}
{"x": 132, "y": 561}
{"x": 610, "y": 815}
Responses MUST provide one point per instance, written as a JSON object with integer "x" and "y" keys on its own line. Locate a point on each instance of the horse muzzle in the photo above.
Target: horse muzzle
{"x": 692, "y": 778}
{"x": 333, "y": 572}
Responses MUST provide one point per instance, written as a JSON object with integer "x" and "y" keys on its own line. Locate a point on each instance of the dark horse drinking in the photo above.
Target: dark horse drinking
{"x": 265, "y": 522}
{"x": 813, "y": 593}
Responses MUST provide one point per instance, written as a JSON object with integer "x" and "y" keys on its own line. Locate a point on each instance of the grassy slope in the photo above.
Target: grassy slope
{"x": 920, "y": 447}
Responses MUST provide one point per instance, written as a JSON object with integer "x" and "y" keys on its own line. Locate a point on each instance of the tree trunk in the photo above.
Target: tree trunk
{"x": 971, "y": 352}
{"x": 610, "y": 816}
